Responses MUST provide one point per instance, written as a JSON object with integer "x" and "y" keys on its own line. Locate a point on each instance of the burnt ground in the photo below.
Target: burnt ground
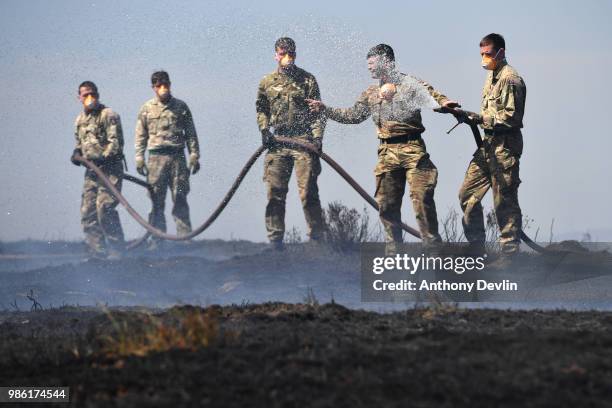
{"x": 126, "y": 333}
{"x": 297, "y": 355}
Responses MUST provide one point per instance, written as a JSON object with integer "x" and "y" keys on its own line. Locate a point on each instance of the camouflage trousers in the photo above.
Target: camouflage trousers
{"x": 397, "y": 165}
{"x": 169, "y": 171}
{"x": 494, "y": 166}
{"x": 278, "y": 165}
{"x": 99, "y": 216}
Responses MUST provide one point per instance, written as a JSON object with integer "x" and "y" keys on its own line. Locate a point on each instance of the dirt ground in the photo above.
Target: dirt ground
{"x": 298, "y": 355}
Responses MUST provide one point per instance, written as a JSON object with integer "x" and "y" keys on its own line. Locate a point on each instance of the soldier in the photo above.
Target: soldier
{"x": 99, "y": 138}
{"x": 281, "y": 105}
{"x": 496, "y": 165}
{"x": 394, "y": 104}
{"x": 163, "y": 128}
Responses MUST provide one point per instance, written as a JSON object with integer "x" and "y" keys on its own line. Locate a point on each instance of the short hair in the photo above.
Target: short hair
{"x": 285, "y": 43}
{"x": 382, "y": 50}
{"x": 160, "y": 77}
{"x": 496, "y": 39}
{"x": 88, "y": 84}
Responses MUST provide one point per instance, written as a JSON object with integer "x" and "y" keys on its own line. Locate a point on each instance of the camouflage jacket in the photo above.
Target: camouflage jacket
{"x": 503, "y": 99}
{"x": 98, "y": 134}
{"x": 396, "y": 117}
{"x": 162, "y": 125}
{"x": 281, "y": 104}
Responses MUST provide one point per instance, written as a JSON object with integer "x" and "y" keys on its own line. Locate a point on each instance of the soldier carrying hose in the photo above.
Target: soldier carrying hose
{"x": 281, "y": 106}
{"x": 99, "y": 138}
{"x": 395, "y": 106}
{"x": 496, "y": 164}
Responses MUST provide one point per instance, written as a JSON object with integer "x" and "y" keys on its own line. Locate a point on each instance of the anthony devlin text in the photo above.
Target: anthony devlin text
{"x": 443, "y": 285}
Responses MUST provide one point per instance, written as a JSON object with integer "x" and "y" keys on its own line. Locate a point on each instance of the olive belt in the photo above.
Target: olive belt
{"x": 400, "y": 139}
{"x": 499, "y": 132}
{"x": 168, "y": 151}
{"x": 289, "y": 132}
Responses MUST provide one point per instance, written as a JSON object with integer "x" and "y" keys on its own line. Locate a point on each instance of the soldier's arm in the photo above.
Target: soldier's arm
{"x": 262, "y": 107}
{"x": 359, "y": 112}
{"x": 142, "y": 134}
{"x": 76, "y": 134}
{"x": 439, "y": 97}
{"x": 193, "y": 146}
{"x": 114, "y": 135}
{"x": 318, "y": 125}
{"x": 512, "y": 100}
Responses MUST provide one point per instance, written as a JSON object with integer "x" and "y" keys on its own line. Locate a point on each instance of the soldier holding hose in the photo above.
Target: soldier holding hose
{"x": 496, "y": 164}
{"x": 282, "y": 111}
{"x": 99, "y": 138}
{"x": 394, "y": 104}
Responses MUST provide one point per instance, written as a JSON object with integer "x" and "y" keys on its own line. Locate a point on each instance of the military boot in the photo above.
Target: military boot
{"x": 113, "y": 254}
{"x": 392, "y": 248}
{"x": 155, "y": 245}
{"x": 502, "y": 262}
{"x": 476, "y": 248}
{"x": 95, "y": 255}
{"x": 277, "y": 245}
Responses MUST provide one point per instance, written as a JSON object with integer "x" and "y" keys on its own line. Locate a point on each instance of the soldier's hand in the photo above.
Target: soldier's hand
{"x": 100, "y": 161}
{"x": 318, "y": 143}
{"x": 451, "y": 104}
{"x": 474, "y": 117}
{"x": 267, "y": 139}
{"x": 76, "y": 152}
{"x": 467, "y": 116}
{"x": 194, "y": 163}
{"x": 460, "y": 115}
{"x": 142, "y": 170}
{"x": 315, "y": 105}
{"x": 141, "y": 167}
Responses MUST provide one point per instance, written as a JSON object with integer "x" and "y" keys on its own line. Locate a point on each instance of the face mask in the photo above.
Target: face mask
{"x": 287, "y": 61}
{"x": 163, "y": 91}
{"x": 89, "y": 102}
{"x": 488, "y": 62}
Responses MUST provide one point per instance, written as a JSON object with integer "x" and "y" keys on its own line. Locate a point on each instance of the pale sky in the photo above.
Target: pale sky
{"x": 216, "y": 53}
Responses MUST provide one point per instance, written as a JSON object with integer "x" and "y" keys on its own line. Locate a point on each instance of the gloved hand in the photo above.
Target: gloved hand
{"x": 99, "y": 161}
{"x": 267, "y": 138}
{"x": 76, "y": 152}
{"x": 194, "y": 163}
{"x": 467, "y": 116}
{"x": 141, "y": 167}
{"x": 474, "y": 117}
{"x": 318, "y": 143}
{"x": 451, "y": 104}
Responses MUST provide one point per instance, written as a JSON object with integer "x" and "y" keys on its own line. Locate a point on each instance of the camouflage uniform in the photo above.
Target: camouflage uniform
{"x": 496, "y": 165}
{"x": 281, "y": 105}
{"x": 163, "y": 129}
{"x": 403, "y": 162}
{"x": 99, "y": 137}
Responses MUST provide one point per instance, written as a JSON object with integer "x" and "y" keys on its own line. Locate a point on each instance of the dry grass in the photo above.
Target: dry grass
{"x": 436, "y": 307}
{"x": 347, "y": 227}
{"x": 192, "y": 329}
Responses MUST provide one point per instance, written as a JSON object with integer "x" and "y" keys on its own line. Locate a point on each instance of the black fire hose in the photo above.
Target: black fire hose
{"x": 150, "y": 228}
{"x": 245, "y": 169}
{"x": 347, "y": 177}
{"x": 138, "y": 241}
{"x": 478, "y": 139}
